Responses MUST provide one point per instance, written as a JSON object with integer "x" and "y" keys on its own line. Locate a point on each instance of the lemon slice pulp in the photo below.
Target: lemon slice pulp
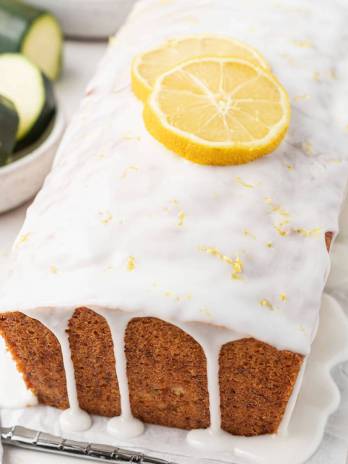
{"x": 218, "y": 111}
{"x": 147, "y": 67}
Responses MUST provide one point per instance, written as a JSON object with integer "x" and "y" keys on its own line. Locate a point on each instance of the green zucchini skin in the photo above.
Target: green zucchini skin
{"x": 16, "y": 21}
{"x": 9, "y": 121}
{"x": 43, "y": 121}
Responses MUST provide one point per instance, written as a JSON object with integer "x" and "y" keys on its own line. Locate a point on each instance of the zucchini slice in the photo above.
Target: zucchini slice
{"x": 32, "y": 94}
{"x": 33, "y": 32}
{"x": 9, "y": 121}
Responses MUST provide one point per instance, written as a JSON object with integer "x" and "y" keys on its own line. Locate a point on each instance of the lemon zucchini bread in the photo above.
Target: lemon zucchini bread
{"x": 166, "y": 371}
{"x": 145, "y": 286}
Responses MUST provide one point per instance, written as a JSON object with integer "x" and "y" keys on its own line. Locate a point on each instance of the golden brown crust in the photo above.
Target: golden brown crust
{"x": 167, "y": 375}
{"x": 94, "y": 363}
{"x": 38, "y": 356}
{"x": 256, "y": 381}
{"x": 166, "y": 372}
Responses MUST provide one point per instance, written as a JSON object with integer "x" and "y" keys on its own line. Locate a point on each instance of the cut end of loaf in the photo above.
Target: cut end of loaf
{"x": 166, "y": 371}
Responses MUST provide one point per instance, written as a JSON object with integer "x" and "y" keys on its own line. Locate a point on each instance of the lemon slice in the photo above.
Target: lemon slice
{"x": 218, "y": 111}
{"x": 150, "y": 65}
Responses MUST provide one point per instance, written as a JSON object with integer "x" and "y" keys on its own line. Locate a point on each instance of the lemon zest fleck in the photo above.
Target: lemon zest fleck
{"x": 266, "y": 304}
{"x": 236, "y": 264}
{"x": 131, "y": 263}
{"x": 105, "y": 217}
{"x": 181, "y": 218}
{"x": 275, "y": 208}
{"x": 308, "y": 232}
{"x": 284, "y": 223}
{"x": 307, "y": 148}
{"x": 24, "y": 238}
{"x": 237, "y": 269}
{"x": 278, "y": 209}
{"x": 247, "y": 233}
{"x": 282, "y": 232}
{"x": 241, "y": 182}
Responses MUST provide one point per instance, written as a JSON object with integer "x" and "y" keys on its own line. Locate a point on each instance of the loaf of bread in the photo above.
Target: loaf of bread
{"x": 121, "y": 300}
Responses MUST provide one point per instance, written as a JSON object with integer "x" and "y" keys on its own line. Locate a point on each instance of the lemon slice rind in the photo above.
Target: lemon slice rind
{"x": 202, "y": 151}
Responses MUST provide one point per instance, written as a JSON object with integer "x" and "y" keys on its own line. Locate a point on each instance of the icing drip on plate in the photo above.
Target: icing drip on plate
{"x": 125, "y": 425}
{"x": 211, "y": 339}
{"x": 73, "y": 419}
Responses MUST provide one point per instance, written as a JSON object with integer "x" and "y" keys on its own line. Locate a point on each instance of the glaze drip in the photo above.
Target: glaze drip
{"x": 211, "y": 339}
{"x": 73, "y": 419}
{"x": 125, "y": 425}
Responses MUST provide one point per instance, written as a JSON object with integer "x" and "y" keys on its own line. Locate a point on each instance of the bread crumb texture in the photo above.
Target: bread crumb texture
{"x": 166, "y": 371}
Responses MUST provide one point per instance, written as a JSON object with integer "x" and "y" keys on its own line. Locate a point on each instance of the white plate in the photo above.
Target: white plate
{"x": 88, "y": 18}
{"x": 22, "y": 179}
{"x": 319, "y": 397}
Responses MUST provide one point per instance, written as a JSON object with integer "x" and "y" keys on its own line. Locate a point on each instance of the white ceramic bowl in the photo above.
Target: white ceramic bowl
{"x": 88, "y": 18}
{"x": 22, "y": 179}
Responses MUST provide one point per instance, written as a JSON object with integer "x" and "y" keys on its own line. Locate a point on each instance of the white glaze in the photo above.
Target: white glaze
{"x": 124, "y": 426}
{"x": 211, "y": 339}
{"x": 284, "y": 425}
{"x": 73, "y": 419}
